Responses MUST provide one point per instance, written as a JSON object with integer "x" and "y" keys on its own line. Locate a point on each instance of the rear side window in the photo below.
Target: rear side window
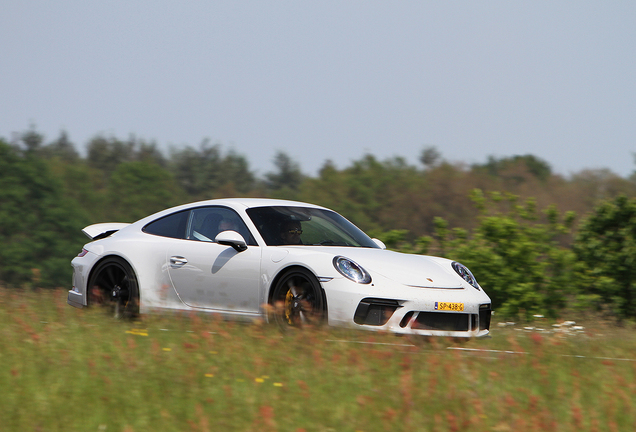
{"x": 173, "y": 225}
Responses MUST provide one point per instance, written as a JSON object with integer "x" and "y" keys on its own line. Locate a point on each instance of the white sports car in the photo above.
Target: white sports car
{"x": 284, "y": 261}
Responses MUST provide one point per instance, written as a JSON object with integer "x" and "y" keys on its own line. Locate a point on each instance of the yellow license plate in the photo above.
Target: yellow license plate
{"x": 445, "y": 306}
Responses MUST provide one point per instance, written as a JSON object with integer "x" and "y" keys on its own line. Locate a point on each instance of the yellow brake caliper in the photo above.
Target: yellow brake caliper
{"x": 288, "y": 307}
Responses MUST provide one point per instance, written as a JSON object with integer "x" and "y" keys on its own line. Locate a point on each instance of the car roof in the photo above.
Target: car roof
{"x": 234, "y": 203}
{"x": 253, "y": 202}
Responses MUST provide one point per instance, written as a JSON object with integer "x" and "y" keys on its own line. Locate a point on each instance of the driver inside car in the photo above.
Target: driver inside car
{"x": 290, "y": 233}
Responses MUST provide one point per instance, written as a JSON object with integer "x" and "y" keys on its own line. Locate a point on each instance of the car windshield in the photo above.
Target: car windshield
{"x": 282, "y": 225}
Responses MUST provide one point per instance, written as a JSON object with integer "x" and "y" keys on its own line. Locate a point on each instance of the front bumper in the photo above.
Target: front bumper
{"x": 388, "y": 306}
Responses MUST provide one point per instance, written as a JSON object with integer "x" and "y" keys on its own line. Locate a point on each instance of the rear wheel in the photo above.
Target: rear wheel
{"x": 297, "y": 300}
{"x": 113, "y": 285}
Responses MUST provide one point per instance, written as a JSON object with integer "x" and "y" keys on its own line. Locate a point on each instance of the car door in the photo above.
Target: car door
{"x": 208, "y": 275}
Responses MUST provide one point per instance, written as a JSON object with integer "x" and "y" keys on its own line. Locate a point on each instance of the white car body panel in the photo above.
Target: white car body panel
{"x": 184, "y": 274}
{"x": 215, "y": 276}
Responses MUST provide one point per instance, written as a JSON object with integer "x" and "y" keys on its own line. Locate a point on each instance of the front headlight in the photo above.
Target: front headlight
{"x": 465, "y": 274}
{"x": 351, "y": 270}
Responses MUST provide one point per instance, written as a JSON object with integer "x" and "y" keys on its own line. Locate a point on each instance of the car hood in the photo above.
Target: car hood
{"x": 407, "y": 269}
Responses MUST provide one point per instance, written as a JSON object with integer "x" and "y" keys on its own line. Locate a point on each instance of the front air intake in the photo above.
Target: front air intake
{"x": 485, "y": 312}
{"x": 441, "y": 321}
{"x": 375, "y": 311}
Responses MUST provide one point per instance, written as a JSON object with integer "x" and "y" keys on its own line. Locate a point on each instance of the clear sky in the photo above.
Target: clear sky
{"x": 330, "y": 79}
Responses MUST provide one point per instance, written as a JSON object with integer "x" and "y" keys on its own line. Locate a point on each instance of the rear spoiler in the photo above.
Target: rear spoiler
{"x": 103, "y": 230}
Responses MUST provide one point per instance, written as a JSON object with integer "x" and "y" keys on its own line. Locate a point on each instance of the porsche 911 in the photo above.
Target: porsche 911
{"x": 287, "y": 262}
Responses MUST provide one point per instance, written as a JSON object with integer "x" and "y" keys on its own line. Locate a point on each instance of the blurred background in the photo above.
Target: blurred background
{"x": 498, "y": 134}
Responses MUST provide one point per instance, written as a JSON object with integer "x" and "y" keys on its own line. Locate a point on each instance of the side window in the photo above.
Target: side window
{"x": 207, "y": 222}
{"x": 173, "y": 225}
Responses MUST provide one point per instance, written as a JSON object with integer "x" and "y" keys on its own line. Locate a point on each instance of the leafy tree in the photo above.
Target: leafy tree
{"x": 605, "y": 248}
{"x": 85, "y": 185}
{"x": 32, "y": 139}
{"x": 444, "y": 193}
{"x": 205, "y": 171}
{"x": 517, "y": 168}
{"x": 375, "y": 195}
{"x": 148, "y": 152}
{"x": 430, "y": 157}
{"x": 137, "y": 189}
{"x": 593, "y": 186}
{"x": 237, "y": 174}
{"x": 62, "y": 148}
{"x": 39, "y": 225}
{"x": 516, "y": 257}
{"x": 287, "y": 175}
{"x": 106, "y": 154}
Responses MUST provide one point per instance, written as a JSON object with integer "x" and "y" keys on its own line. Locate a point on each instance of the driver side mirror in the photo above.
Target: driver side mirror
{"x": 231, "y": 238}
{"x": 379, "y": 243}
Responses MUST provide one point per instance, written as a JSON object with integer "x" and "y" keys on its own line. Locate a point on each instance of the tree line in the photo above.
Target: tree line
{"x": 539, "y": 242}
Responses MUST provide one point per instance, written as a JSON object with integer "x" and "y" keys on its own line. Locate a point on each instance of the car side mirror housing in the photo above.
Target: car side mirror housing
{"x": 231, "y": 238}
{"x": 379, "y": 243}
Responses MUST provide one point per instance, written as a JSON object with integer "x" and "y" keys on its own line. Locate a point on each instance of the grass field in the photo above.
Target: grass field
{"x": 63, "y": 369}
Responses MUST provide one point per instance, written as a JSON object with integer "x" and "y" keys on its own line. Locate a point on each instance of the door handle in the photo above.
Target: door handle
{"x": 178, "y": 261}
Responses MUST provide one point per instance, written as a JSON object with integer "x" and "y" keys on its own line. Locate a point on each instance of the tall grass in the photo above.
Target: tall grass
{"x": 63, "y": 369}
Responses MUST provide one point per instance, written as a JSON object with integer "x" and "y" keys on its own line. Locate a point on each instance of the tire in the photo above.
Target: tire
{"x": 113, "y": 285}
{"x": 297, "y": 300}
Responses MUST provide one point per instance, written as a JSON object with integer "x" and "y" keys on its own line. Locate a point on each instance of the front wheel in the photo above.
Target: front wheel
{"x": 113, "y": 284}
{"x": 297, "y": 300}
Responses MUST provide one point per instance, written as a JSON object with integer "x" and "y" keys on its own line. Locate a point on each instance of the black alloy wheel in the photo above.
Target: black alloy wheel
{"x": 297, "y": 300}
{"x": 113, "y": 285}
